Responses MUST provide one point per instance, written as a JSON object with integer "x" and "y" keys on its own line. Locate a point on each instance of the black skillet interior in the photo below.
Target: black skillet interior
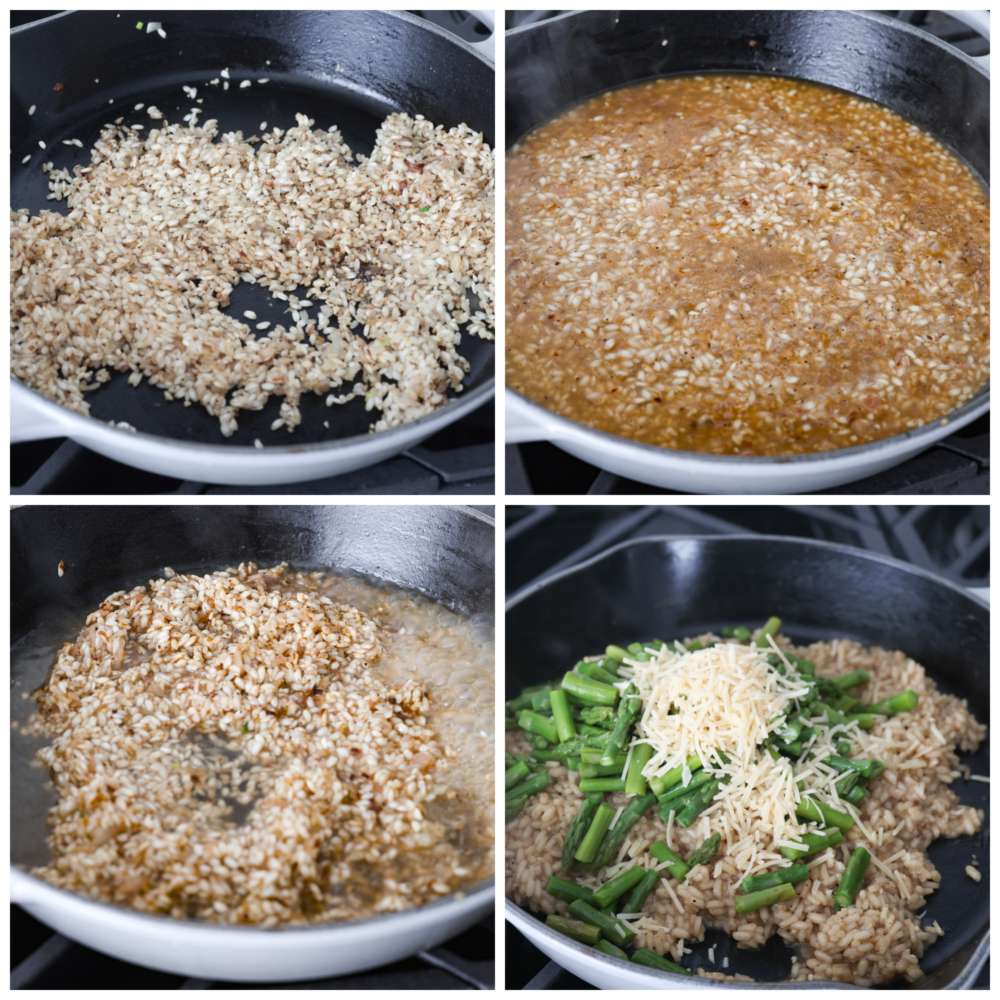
{"x": 445, "y": 552}
{"x": 560, "y": 62}
{"x": 676, "y": 587}
{"x": 344, "y": 68}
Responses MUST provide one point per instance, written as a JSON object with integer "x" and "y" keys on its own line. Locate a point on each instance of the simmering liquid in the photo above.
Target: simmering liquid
{"x": 744, "y": 266}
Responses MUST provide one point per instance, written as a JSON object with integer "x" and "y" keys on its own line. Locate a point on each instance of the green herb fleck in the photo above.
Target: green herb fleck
{"x": 427, "y": 209}
{"x": 588, "y": 157}
{"x": 139, "y": 26}
{"x": 243, "y": 731}
{"x": 368, "y": 396}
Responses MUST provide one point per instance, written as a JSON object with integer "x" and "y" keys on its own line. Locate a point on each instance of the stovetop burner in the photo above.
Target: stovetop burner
{"x": 44, "y": 960}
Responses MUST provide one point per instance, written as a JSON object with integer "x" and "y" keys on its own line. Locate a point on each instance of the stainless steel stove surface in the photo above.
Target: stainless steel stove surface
{"x": 958, "y": 465}
{"x": 952, "y": 541}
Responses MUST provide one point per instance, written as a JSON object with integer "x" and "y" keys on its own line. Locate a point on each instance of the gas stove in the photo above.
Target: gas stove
{"x": 44, "y": 960}
{"x": 951, "y": 541}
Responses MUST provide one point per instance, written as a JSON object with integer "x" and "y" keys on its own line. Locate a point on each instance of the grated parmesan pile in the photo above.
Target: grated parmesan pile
{"x": 726, "y": 698}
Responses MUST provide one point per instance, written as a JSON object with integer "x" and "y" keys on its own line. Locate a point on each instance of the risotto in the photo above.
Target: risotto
{"x": 248, "y": 747}
{"x": 744, "y": 266}
{"x": 879, "y": 935}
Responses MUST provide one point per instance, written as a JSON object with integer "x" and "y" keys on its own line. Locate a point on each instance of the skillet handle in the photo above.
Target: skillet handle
{"x": 522, "y": 425}
{"x": 487, "y": 46}
{"x": 28, "y": 422}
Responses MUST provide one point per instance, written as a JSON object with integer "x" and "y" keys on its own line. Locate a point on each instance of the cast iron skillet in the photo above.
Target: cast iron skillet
{"x": 445, "y": 552}
{"x": 555, "y": 64}
{"x": 671, "y": 587}
{"x": 348, "y": 68}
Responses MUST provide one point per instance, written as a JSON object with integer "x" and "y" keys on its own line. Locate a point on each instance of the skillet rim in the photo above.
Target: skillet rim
{"x": 973, "y": 409}
{"x": 477, "y": 894}
{"x": 461, "y": 404}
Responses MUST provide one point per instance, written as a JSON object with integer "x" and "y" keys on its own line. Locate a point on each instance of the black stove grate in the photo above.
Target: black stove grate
{"x": 958, "y": 465}
{"x": 952, "y": 541}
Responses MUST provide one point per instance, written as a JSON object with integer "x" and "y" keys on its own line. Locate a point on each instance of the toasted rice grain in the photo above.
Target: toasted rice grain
{"x": 161, "y": 228}
{"x": 252, "y": 688}
{"x": 871, "y": 942}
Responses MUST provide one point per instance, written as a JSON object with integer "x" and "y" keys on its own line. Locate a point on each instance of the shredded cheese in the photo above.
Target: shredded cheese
{"x": 621, "y": 809}
{"x": 727, "y": 698}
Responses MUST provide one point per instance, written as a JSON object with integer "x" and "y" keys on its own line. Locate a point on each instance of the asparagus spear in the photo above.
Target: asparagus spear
{"x": 820, "y": 812}
{"x": 534, "y": 722}
{"x": 561, "y": 716}
{"x": 771, "y": 627}
{"x": 707, "y": 851}
{"x": 902, "y": 702}
{"x": 699, "y": 802}
{"x": 587, "y": 850}
{"x": 610, "y": 949}
{"x": 568, "y": 891}
{"x": 850, "y": 884}
{"x": 635, "y": 783}
{"x": 576, "y": 929}
{"x": 662, "y": 853}
{"x": 663, "y": 783}
{"x": 812, "y": 843}
{"x": 589, "y": 692}
{"x": 592, "y": 755}
{"x": 612, "y": 889}
{"x": 578, "y": 828}
{"x": 534, "y": 784}
{"x": 611, "y": 927}
{"x": 613, "y": 838}
{"x": 853, "y": 679}
{"x": 516, "y": 774}
{"x": 793, "y": 873}
{"x": 766, "y": 897}
{"x": 596, "y": 672}
{"x": 523, "y": 700}
{"x": 646, "y": 957}
{"x": 641, "y": 892}
{"x": 629, "y": 709}
{"x": 602, "y": 784}
{"x": 596, "y": 715}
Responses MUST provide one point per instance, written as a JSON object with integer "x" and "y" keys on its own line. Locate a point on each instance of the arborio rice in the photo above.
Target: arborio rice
{"x": 881, "y": 935}
{"x": 239, "y": 748}
{"x": 161, "y": 228}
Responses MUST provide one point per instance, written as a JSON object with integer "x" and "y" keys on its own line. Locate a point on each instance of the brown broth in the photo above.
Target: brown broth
{"x": 744, "y": 266}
